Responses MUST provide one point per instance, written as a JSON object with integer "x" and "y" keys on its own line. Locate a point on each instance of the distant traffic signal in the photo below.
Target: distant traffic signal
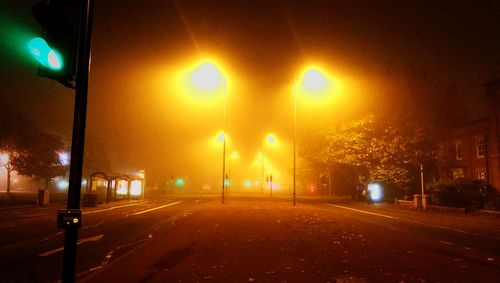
{"x": 56, "y": 49}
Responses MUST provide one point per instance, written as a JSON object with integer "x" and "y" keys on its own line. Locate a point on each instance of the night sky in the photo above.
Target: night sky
{"x": 381, "y": 51}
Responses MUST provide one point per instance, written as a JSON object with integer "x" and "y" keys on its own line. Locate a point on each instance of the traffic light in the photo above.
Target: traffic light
{"x": 56, "y": 50}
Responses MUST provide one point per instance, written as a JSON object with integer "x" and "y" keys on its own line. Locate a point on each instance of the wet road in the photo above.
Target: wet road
{"x": 31, "y": 245}
{"x": 254, "y": 240}
{"x": 271, "y": 241}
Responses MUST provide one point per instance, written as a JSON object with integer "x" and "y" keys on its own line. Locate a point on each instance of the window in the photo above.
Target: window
{"x": 459, "y": 152}
{"x": 457, "y": 173}
{"x": 480, "y": 147}
{"x": 481, "y": 175}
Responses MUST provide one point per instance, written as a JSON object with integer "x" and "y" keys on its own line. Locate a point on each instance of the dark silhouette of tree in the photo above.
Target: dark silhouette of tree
{"x": 41, "y": 159}
{"x": 384, "y": 150}
{"x": 31, "y": 152}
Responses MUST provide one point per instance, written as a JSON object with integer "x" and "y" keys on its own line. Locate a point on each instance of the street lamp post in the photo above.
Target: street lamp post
{"x": 234, "y": 155}
{"x": 224, "y": 146}
{"x": 208, "y": 77}
{"x": 271, "y": 139}
{"x": 314, "y": 80}
{"x": 294, "y": 141}
{"x": 260, "y": 157}
{"x": 271, "y": 185}
{"x": 262, "y": 168}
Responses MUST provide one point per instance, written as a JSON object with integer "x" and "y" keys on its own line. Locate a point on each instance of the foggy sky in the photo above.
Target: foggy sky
{"x": 375, "y": 47}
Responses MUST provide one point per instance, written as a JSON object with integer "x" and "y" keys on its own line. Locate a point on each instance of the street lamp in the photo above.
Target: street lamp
{"x": 313, "y": 80}
{"x": 207, "y": 76}
{"x": 269, "y": 139}
{"x": 260, "y": 156}
{"x": 234, "y": 155}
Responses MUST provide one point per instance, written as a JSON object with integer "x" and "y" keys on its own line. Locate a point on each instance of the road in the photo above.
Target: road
{"x": 254, "y": 240}
{"x": 31, "y": 245}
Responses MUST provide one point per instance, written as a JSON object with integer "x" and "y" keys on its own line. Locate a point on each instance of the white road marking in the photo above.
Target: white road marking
{"x": 362, "y": 211}
{"x": 198, "y": 200}
{"x": 423, "y": 224}
{"x": 447, "y": 243}
{"x": 156, "y": 208}
{"x": 89, "y": 239}
{"x": 456, "y": 230}
{"x": 111, "y": 208}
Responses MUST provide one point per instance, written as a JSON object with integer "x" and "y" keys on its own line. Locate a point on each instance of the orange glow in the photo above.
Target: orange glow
{"x": 316, "y": 85}
{"x": 207, "y": 76}
{"x": 270, "y": 139}
{"x": 260, "y": 156}
{"x": 235, "y": 155}
{"x": 219, "y": 137}
{"x": 205, "y": 80}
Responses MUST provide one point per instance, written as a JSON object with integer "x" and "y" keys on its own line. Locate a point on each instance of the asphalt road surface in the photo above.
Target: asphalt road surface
{"x": 254, "y": 240}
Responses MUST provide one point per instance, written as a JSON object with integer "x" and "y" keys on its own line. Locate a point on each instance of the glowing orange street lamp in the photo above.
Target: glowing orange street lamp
{"x": 234, "y": 155}
{"x": 315, "y": 81}
{"x": 269, "y": 139}
{"x": 208, "y": 77}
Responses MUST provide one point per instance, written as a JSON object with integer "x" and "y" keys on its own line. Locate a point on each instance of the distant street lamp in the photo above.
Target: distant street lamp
{"x": 269, "y": 139}
{"x": 234, "y": 155}
{"x": 260, "y": 156}
{"x": 207, "y": 76}
{"x": 315, "y": 81}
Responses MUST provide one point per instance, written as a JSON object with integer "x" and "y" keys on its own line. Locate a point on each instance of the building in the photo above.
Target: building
{"x": 472, "y": 149}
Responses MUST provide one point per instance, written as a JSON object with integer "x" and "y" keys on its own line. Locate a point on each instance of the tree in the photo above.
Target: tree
{"x": 30, "y": 152}
{"x": 41, "y": 159}
{"x": 9, "y": 167}
{"x": 383, "y": 150}
{"x": 14, "y": 128}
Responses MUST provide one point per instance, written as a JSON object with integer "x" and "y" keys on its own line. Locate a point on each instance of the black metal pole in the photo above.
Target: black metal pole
{"x": 78, "y": 138}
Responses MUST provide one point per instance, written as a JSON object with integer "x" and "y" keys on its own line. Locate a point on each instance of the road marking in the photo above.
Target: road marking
{"x": 198, "y": 200}
{"x": 447, "y": 243}
{"x": 156, "y": 208}
{"x": 111, "y": 208}
{"x": 456, "y": 230}
{"x": 362, "y": 211}
{"x": 89, "y": 239}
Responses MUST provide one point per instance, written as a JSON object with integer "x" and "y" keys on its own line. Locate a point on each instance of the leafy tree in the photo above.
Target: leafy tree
{"x": 384, "y": 150}
{"x": 31, "y": 152}
{"x": 41, "y": 158}
{"x": 14, "y": 128}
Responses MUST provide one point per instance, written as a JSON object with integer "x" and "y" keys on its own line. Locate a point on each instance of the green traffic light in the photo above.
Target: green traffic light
{"x": 45, "y": 55}
{"x": 180, "y": 182}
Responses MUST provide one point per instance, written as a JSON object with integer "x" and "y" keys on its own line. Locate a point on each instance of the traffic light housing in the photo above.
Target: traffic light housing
{"x": 57, "y": 48}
